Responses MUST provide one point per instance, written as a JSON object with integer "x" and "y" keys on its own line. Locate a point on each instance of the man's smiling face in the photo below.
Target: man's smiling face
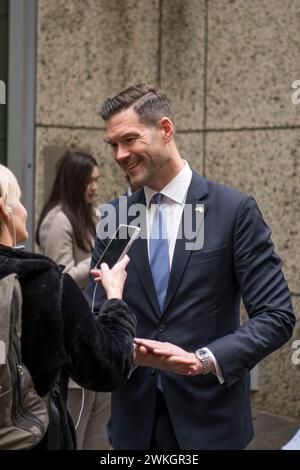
{"x": 139, "y": 149}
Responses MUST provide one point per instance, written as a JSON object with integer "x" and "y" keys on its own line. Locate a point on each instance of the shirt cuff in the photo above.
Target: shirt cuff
{"x": 218, "y": 372}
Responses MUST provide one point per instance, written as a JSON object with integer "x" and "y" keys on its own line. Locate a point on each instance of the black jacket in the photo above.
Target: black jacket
{"x": 60, "y": 336}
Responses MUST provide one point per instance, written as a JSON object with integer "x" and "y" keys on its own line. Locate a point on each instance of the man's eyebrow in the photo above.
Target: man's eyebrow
{"x": 123, "y": 136}
{"x": 129, "y": 134}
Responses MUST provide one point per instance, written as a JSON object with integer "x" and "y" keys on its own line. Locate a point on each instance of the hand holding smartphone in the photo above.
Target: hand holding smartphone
{"x": 116, "y": 249}
{"x": 118, "y": 245}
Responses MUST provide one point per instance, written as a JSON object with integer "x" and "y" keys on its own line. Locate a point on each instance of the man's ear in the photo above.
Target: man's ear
{"x": 167, "y": 127}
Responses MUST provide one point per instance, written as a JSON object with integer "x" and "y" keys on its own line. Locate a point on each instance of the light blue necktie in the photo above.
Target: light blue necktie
{"x": 159, "y": 252}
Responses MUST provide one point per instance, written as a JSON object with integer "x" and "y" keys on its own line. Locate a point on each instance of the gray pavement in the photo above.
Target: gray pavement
{"x": 272, "y": 432}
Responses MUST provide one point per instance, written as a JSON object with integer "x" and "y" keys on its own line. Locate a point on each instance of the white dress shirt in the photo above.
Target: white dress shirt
{"x": 174, "y": 196}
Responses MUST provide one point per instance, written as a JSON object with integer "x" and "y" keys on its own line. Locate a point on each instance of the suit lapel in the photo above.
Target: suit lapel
{"x": 196, "y": 198}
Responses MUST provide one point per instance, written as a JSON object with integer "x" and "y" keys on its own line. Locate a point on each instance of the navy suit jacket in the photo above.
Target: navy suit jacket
{"x": 202, "y": 308}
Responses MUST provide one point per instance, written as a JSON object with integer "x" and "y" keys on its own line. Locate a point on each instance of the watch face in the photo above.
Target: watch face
{"x": 201, "y": 353}
{"x": 204, "y": 357}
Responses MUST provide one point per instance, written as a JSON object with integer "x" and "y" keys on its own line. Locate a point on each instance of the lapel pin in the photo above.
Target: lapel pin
{"x": 199, "y": 209}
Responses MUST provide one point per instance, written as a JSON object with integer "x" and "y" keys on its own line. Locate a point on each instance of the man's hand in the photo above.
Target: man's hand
{"x": 166, "y": 356}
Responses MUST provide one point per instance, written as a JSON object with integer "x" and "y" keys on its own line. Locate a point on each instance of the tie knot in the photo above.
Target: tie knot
{"x": 157, "y": 199}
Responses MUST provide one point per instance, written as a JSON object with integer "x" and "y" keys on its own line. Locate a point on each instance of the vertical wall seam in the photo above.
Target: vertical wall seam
{"x": 205, "y": 84}
{"x": 160, "y": 5}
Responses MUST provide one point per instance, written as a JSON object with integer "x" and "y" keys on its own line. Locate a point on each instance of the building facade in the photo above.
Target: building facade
{"x": 227, "y": 66}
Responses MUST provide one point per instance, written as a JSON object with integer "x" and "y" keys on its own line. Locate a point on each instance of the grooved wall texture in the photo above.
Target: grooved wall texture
{"x": 227, "y": 66}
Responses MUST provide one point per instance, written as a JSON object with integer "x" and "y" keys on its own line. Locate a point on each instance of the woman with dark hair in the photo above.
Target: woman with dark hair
{"x": 67, "y": 225}
{"x": 66, "y": 233}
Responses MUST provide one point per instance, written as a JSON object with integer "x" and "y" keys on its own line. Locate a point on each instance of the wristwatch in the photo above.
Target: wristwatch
{"x": 205, "y": 358}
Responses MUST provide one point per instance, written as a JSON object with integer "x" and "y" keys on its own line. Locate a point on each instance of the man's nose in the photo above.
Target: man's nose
{"x": 122, "y": 153}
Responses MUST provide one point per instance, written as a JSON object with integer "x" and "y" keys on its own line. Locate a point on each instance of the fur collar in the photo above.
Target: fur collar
{"x": 22, "y": 262}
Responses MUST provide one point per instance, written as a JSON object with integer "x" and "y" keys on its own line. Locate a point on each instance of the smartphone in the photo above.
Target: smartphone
{"x": 118, "y": 245}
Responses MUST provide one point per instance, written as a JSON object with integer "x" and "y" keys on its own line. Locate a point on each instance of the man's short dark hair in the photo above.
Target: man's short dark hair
{"x": 150, "y": 103}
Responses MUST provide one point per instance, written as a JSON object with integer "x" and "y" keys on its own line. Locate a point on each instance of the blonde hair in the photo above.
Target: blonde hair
{"x": 10, "y": 192}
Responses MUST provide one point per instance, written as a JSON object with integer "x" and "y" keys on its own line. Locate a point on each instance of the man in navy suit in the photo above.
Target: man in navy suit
{"x": 191, "y": 387}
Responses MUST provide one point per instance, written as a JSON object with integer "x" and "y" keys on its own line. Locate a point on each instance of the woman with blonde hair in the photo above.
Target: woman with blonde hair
{"x": 60, "y": 336}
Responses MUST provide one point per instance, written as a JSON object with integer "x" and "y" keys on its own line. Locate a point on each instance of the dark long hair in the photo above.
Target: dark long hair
{"x": 73, "y": 171}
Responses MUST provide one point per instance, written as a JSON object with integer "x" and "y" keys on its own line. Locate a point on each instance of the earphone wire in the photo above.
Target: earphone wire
{"x": 14, "y": 228}
{"x": 95, "y": 288}
{"x": 82, "y": 390}
{"x": 94, "y": 296}
{"x": 81, "y": 409}
{"x": 19, "y": 247}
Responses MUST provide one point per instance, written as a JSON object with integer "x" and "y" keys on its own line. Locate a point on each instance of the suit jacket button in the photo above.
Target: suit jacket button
{"x": 161, "y": 327}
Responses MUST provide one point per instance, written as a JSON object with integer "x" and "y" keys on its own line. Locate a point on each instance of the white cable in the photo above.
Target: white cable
{"x": 94, "y": 296}
{"x": 19, "y": 247}
{"x": 81, "y": 409}
{"x": 95, "y": 288}
{"x": 82, "y": 390}
{"x": 14, "y": 228}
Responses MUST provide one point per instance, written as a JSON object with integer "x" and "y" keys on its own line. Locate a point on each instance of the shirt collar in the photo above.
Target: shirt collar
{"x": 177, "y": 188}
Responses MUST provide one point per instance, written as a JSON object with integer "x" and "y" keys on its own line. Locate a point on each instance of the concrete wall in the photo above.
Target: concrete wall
{"x": 228, "y": 67}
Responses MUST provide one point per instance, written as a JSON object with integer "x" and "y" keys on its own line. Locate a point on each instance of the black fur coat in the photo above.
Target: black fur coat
{"x": 59, "y": 334}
